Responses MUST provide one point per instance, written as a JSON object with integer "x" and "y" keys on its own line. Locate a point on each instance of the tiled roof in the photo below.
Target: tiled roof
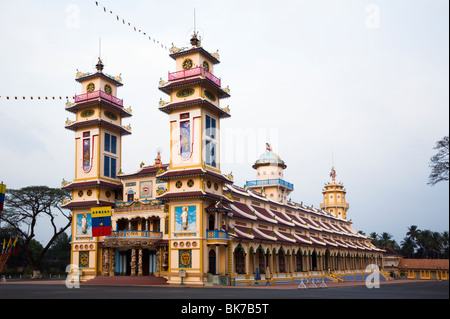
{"x": 94, "y": 183}
{"x": 424, "y": 264}
{"x": 146, "y": 170}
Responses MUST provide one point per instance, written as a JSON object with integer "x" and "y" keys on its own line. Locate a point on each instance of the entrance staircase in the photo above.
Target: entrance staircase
{"x": 127, "y": 281}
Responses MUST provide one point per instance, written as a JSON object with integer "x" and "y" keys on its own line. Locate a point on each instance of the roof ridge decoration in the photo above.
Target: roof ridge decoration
{"x": 277, "y": 232}
{"x": 256, "y": 229}
{"x": 258, "y": 214}
{"x": 247, "y": 234}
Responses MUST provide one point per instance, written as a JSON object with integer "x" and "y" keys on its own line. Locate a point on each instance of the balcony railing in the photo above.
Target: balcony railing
{"x": 96, "y": 94}
{"x": 216, "y": 234}
{"x": 194, "y": 72}
{"x": 137, "y": 233}
{"x": 145, "y": 204}
{"x": 265, "y": 182}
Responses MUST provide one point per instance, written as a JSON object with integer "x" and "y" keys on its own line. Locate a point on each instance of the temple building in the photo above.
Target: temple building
{"x": 186, "y": 221}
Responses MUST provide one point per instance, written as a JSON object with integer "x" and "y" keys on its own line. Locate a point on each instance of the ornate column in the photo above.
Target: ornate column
{"x": 105, "y": 262}
{"x": 165, "y": 259}
{"x": 140, "y": 263}
{"x": 133, "y": 262}
{"x": 158, "y": 261}
{"x": 113, "y": 262}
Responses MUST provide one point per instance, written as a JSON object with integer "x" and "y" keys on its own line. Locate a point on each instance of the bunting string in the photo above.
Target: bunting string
{"x": 43, "y": 98}
{"x": 136, "y": 29}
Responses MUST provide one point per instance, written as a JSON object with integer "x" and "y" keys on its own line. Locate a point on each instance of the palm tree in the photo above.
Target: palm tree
{"x": 408, "y": 246}
{"x": 413, "y": 232}
{"x": 386, "y": 240}
{"x": 436, "y": 243}
{"x": 374, "y": 237}
{"x": 445, "y": 243}
{"x": 424, "y": 241}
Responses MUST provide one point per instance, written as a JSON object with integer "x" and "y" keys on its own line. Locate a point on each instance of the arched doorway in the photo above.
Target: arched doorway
{"x": 327, "y": 261}
{"x": 261, "y": 260}
{"x": 298, "y": 261}
{"x": 281, "y": 260}
{"x": 314, "y": 260}
{"x": 212, "y": 262}
{"x": 239, "y": 260}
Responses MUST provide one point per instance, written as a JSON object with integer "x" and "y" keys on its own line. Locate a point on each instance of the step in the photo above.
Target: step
{"x": 127, "y": 280}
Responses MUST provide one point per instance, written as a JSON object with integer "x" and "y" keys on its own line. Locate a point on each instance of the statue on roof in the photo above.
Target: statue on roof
{"x": 333, "y": 173}
{"x": 158, "y": 162}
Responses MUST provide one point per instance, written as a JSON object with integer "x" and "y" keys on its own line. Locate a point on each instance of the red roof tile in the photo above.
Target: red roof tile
{"x": 425, "y": 264}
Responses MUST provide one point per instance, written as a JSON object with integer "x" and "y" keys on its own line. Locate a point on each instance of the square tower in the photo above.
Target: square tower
{"x": 98, "y": 158}
{"x": 194, "y": 197}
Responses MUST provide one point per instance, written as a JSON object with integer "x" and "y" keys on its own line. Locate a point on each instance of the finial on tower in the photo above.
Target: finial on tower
{"x": 194, "y": 40}
{"x": 99, "y": 65}
{"x": 333, "y": 174}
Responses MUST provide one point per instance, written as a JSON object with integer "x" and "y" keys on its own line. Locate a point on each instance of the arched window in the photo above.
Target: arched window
{"x": 211, "y": 222}
{"x": 281, "y": 260}
{"x": 298, "y": 261}
{"x": 239, "y": 260}
{"x": 314, "y": 260}
{"x": 261, "y": 259}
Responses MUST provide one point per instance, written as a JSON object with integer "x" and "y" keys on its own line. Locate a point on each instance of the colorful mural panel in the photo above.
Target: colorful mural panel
{"x": 186, "y": 218}
{"x": 87, "y": 154}
{"x": 185, "y": 139}
{"x": 84, "y": 224}
{"x": 146, "y": 189}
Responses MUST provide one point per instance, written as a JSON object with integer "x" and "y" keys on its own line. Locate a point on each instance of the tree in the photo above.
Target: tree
{"x": 386, "y": 240}
{"x": 445, "y": 243}
{"x": 58, "y": 255}
{"x": 425, "y": 242}
{"x": 375, "y": 239}
{"x": 24, "y": 206}
{"x": 408, "y": 247}
{"x": 413, "y": 232}
{"x": 439, "y": 163}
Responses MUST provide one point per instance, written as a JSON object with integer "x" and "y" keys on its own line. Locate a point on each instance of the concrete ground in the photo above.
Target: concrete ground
{"x": 397, "y": 289}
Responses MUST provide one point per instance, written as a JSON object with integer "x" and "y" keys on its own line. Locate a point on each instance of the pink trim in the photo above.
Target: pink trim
{"x": 96, "y": 94}
{"x": 194, "y": 72}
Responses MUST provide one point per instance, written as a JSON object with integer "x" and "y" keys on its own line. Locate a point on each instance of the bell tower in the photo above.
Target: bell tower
{"x": 270, "y": 170}
{"x": 334, "y": 197}
{"x": 98, "y": 133}
{"x": 194, "y": 197}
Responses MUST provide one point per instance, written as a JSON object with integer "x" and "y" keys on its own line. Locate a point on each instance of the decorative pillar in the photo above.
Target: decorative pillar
{"x": 105, "y": 262}
{"x": 247, "y": 262}
{"x": 165, "y": 259}
{"x": 113, "y": 262}
{"x": 140, "y": 263}
{"x": 217, "y": 260}
{"x": 133, "y": 262}
{"x": 158, "y": 260}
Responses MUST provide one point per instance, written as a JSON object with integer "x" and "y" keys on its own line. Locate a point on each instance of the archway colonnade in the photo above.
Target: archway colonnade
{"x": 281, "y": 259}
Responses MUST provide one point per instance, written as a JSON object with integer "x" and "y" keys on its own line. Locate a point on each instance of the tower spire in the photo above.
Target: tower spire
{"x": 99, "y": 66}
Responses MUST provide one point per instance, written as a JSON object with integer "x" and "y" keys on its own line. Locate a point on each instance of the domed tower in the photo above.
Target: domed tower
{"x": 334, "y": 197}
{"x": 270, "y": 170}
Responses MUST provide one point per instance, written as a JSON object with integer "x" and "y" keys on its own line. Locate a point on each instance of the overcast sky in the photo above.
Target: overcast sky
{"x": 359, "y": 84}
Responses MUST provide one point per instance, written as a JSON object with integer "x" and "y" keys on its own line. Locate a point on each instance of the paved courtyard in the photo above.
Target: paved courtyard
{"x": 56, "y": 289}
